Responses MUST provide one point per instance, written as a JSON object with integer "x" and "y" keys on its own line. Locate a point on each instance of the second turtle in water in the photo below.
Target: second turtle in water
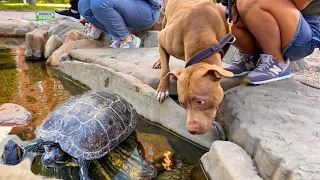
{"x": 85, "y": 127}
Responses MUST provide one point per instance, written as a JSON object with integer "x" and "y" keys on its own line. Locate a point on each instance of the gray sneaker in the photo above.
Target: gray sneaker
{"x": 243, "y": 64}
{"x": 269, "y": 70}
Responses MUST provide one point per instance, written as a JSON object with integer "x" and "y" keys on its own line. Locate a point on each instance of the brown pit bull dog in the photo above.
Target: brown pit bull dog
{"x": 191, "y": 26}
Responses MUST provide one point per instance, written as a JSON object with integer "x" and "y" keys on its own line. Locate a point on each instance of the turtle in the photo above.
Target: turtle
{"x": 86, "y": 127}
{"x": 126, "y": 161}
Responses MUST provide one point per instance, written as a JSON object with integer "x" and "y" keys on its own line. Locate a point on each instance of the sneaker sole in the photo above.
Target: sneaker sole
{"x": 138, "y": 43}
{"x": 241, "y": 74}
{"x": 68, "y": 17}
{"x": 268, "y": 81}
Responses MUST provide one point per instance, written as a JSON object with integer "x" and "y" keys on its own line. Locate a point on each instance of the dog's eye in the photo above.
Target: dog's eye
{"x": 200, "y": 102}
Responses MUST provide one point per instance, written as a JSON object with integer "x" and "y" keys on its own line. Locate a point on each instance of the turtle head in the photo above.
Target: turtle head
{"x": 55, "y": 156}
{"x": 12, "y": 153}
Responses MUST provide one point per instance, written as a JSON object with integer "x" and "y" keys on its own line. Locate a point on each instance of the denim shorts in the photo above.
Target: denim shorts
{"x": 306, "y": 39}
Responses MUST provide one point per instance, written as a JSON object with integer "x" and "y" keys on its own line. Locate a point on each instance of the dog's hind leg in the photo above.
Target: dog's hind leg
{"x": 157, "y": 64}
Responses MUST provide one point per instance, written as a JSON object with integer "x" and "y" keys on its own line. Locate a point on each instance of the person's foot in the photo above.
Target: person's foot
{"x": 115, "y": 44}
{"x": 269, "y": 70}
{"x": 135, "y": 43}
{"x": 244, "y": 64}
{"x": 92, "y": 31}
{"x": 69, "y": 15}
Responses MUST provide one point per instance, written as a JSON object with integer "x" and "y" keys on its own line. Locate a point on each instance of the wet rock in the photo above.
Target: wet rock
{"x": 13, "y": 28}
{"x": 13, "y": 115}
{"x": 175, "y": 174}
{"x": 35, "y": 43}
{"x": 277, "y": 124}
{"x": 228, "y": 161}
{"x": 53, "y": 43}
{"x": 75, "y": 35}
{"x": 155, "y": 146}
{"x": 54, "y": 59}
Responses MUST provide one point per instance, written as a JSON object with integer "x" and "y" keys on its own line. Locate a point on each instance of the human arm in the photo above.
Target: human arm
{"x": 301, "y": 4}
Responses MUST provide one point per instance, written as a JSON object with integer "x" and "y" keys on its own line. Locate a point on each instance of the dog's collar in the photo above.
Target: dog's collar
{"x": 220, "y": 47}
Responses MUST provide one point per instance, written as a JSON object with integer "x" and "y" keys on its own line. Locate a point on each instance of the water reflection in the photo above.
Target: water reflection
{"x": 31, "y": 87}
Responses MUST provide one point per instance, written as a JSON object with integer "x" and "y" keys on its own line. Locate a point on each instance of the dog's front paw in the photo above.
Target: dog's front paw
{"x": 162, "y": 94}
{"x": 157, "y": 64}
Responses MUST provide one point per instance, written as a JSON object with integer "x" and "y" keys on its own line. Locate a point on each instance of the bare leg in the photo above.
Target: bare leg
{"x": 272, "y": 22}
{"x": 245, "y": 43}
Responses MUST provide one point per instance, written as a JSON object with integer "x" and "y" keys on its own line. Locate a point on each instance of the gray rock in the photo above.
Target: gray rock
{"x": 61, "y": 27}
{"x": 297, "y": 66}
{"x": 278, "y": 125}
{"x": 228, "y": 161}
{"x": 13, "y": 115}
{"x": 13, "y": 28}
{"x": 35, "y": 43}
{"x": 149, "y": 38}
{"x": 230, "y": 55}
{"x": 33, "y": 25}
{"x": 64, "y": 28}
{"x": 53, "y": 43}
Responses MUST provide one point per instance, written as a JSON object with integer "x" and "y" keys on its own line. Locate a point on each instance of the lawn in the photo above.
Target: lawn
{"x": 38, "y": 7}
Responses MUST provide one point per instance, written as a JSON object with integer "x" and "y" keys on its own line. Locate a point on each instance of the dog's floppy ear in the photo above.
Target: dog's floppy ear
{"x": 218, "y": 72}
{"x": 174, "y": 74}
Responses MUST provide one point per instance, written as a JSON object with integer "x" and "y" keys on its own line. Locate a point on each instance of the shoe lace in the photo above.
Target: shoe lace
{"x": 124, "y": 45}
{"x": 263, "y": 64}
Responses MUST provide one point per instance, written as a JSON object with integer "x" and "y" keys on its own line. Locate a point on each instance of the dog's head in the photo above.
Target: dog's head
{"x": 200, "y": 93}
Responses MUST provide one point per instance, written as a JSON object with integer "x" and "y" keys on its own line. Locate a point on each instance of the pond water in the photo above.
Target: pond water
{"x": 41, "y": 89}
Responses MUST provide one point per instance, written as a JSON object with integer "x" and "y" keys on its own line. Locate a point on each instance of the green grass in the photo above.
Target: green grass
{"x": 38, "y": 7}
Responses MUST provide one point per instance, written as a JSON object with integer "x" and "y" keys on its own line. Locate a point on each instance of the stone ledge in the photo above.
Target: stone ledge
{"x": 138, "y": 63}
{"x": 228, "y": 161}
{"x": 278, "y": 125}
{"x": 169, "y": 114}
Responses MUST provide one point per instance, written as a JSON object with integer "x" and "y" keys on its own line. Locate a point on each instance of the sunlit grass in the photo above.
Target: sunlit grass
{"x": 38, "y": 7}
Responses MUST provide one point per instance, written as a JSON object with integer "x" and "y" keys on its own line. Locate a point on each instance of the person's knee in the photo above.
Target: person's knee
{"x": 98, "y": 6}
{"x": 82, "y": 7}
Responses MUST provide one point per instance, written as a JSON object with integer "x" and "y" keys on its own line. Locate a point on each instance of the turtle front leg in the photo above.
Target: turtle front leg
{"x": 84, "y": 169}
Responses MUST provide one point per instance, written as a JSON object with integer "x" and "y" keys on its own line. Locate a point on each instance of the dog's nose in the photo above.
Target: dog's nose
{"x": 192, "y": 130}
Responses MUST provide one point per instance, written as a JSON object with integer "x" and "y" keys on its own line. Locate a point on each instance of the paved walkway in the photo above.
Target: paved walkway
{"x": 26, "y": 15}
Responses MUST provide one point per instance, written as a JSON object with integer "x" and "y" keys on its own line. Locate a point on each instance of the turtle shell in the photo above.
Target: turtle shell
{"x": 91, "y": 125}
